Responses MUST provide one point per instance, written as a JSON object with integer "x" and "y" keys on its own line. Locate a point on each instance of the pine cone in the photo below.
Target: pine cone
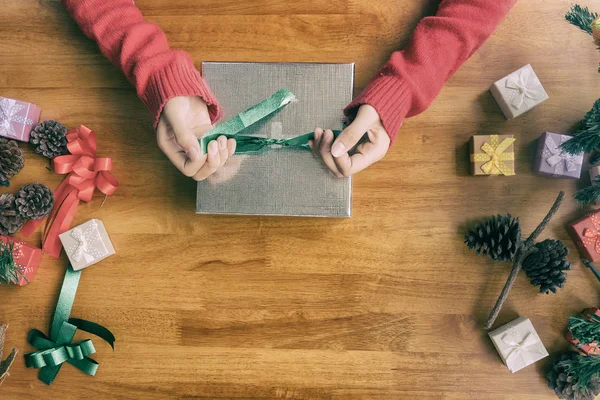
{"x": 497, "y": 237}
{"x": 34, "y": 201}
{"x": 10, "y": 220}
{"x": 565, "y": 385}
{"x": 545, "y": 266}
{"x": 49, "y": 138}
{"x": 11, "y": 160}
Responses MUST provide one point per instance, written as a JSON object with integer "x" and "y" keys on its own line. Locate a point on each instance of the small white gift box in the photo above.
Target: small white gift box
{"x": 87, "y": 244}
{"x": 519, "y": 92}
{"x": 518, "y": 344}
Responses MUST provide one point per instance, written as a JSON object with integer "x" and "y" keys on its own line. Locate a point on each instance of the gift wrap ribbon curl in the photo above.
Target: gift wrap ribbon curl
{"x": 559, "y": 159}
{"x": 522, "y": 350}
{"x": 57, "y": 349}
{"x": 526, "y": 85}
{"x": 591, "y": 236}
{"x": 86, "y": 173}
{"x": 246, "y": 144}
{"x": 494, "y": 154}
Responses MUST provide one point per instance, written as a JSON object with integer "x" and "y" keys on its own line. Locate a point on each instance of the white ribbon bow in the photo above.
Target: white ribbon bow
{"x": 526, "y": 85}
{"x": 8, "y": 110}
{"x": 84, "y": 240}
{"x": 557, "y": 156}
{"x": 520, "y": 349}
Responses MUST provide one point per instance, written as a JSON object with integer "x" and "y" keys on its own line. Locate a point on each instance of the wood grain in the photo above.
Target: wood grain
{"x": 386, "y": 305}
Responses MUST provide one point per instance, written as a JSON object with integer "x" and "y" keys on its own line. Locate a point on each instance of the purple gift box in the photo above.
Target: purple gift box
{"x": 17, "y": 118}
{"x": 551, "y": 160}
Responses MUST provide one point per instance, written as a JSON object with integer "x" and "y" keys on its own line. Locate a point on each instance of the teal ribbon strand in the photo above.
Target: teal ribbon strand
{"x": 246, "y": 144}
{"x": 57, "y": 349}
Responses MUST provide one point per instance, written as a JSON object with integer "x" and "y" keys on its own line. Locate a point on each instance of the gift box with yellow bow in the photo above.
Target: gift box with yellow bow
{"x": 596, "y": 30}
{"x": 518, "y": 92}
{"x": 586, "y": 235}
{"x": 493, "y": 155}
{"x": 518, "y": 344}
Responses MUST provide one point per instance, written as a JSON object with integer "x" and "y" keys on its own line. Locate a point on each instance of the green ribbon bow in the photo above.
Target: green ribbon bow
{"x": 246, "y": 144}
{"x": 56, "y": 349}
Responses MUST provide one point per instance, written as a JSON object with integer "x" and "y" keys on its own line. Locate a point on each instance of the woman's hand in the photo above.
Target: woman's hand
{"x": 348, "y": 154}
{"x": 183, "y": 121}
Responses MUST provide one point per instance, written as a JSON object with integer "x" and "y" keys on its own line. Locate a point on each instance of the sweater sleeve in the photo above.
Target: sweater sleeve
{"x": 140, "y": 49}
{"x": 407, "y": 84}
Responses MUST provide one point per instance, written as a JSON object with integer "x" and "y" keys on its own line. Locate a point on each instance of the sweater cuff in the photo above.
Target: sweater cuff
{"x": 178, "y": 79}
{"x": 390, "y": 96}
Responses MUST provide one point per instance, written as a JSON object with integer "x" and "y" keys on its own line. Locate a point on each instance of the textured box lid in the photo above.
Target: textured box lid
{"x": 280, "y": 182}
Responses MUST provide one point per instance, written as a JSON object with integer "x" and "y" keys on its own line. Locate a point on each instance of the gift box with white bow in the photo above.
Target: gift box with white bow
{"x": 17, "y": 118}
{"x": 87, "y": 244}
{"x": 551, "y": 160}
{"x": 518, "y": 344}
{"x": 519, "y": 92}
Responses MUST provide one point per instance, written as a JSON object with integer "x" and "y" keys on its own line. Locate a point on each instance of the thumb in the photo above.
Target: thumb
{"x": 350, "y": 136}
{"x": 187, "y": 139}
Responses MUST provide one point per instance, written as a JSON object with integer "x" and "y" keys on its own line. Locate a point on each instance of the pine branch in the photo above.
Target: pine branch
{"x": 585, "y": 330}
{"x": 582, "y": 369}
{"x": 590, "y": 194}
{"x": 9, "y": 271}
{"x": 587, "y": 136}
{"x": 581, "y": 17}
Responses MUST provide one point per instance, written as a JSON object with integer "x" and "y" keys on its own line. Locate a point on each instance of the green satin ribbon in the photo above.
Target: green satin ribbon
{"x": 56, "y": 349}
{"x": 246, "y": 144}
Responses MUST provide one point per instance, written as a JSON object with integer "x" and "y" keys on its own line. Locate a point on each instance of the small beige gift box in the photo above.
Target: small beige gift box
{"x": 519, "y": 92}
{"x": 87, "y": 244}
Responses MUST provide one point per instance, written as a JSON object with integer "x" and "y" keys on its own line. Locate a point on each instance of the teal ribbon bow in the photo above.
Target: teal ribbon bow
{"x": 57, "y": 349}
{"x": 246, "y": 144}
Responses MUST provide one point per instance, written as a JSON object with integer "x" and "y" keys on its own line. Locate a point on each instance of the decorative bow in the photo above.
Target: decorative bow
{"x": 518, "y": 349}
{"x": 591, "y": 237}
{"x": 494, "y": 154}
{"x": 9, "y": 108}
{"x": 526, "y": 85}
{"x": 86, "y": 174}
{"x": 556, "y": 156}
{"x": 56, "y": 349}
{"x": 84, "y": 242}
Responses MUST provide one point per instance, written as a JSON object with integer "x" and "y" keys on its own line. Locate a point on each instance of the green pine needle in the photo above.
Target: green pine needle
{"x": 585, "y": 330}
{"x": 581, "y": 17}
{"x": 9, "y": 271}
{"x": 582, "y": 369}
{"x": 590, "y": 194}
{"x": 587, "y": 136}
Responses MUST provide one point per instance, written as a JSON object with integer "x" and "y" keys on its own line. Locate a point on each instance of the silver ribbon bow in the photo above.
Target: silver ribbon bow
{"x": 557, "y": 156}
{"x": 526, "y": 85}
{"x": 519, "y": 349}
{"x": 85, "y": 239}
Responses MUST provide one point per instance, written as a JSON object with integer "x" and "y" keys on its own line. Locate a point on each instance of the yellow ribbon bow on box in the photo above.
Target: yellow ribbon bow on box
{"x": 494, "y": 154}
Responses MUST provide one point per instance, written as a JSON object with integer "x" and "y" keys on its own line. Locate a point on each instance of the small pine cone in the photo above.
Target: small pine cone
{"x": 565, "y": 385}
{"x": 545, "y": 266}
{"x": 497, "y": 237}
{"x": 10, "y": 220}
{"x": 34, "y": 201}
{"x": 49, "y": 138}
{"x": 11, "y": 160}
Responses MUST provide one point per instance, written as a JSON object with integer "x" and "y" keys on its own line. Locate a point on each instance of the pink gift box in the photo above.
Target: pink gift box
{"x": 591, "y": 348}
{"x": 17, "y": 118}
{"x": 26, "y": 256}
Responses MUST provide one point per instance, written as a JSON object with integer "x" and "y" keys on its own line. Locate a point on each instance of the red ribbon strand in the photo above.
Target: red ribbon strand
{"x": 86, "y": 173}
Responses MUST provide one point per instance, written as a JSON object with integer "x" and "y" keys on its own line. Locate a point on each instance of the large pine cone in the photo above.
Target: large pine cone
{"x": 49, "y": 138}
{"x": 545, "y": 267}
{"x": 10, "y": 220}
{"x": 497, "y": 237}
{"x": 565, "y": 385}
{"x": 11, "y": 160}
{"x": 34, "y": 201}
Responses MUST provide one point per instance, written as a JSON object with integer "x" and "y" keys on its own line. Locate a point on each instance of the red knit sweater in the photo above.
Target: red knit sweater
{"x": 405, "y": 86}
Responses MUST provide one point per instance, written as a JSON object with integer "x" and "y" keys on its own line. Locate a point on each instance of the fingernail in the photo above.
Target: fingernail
{"x": 222, "y": 143}
{"x": 213, "y": 148}
{"x": 193, "y": 154}
{"x": 338, "y": 149}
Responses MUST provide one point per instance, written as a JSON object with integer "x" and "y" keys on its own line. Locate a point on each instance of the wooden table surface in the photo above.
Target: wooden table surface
{"x": 386, "y": 305}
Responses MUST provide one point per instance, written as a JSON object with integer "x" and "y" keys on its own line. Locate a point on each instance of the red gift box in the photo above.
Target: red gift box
{"x": 586, "y": 235}
{"x": 590, "y": 348}
{"x": 26, "y": 256}
{"x": 17, "y": 118}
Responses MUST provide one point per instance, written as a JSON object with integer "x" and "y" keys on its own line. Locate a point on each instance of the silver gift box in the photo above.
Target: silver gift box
{"x": 279, "y": 182}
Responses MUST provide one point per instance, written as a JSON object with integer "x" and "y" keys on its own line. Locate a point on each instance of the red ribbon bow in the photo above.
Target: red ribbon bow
{"x": 86, "y": 174}
{"x": 592, "y": 236}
